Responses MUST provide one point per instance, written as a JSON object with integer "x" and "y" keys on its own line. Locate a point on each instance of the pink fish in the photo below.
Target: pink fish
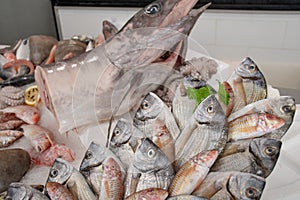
{"x": 28, "y": 114}
{"x": 57, "y": 191}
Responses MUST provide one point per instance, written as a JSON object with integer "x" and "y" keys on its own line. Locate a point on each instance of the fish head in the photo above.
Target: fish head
{"x": 249, "y": 70}
{"x": 94, "y": 156}
{"x": 150, "y": 107}
{"x": 17, "y": 191}
{"x": 209, "y": 112}
{"x": 121, "y": 133}
{"x": 192, "y": 82}
{"x": 110, "y": 166}
{"x": 31, "y": 115}
{"x": 266, "y": 151}
{"x": 60, "y": 171}
{"x": 246, "y": 186}
{"x": 284, "y": 107}
{"x": 148, "y": 157}
{"x": 271, "y": 122}
{"x": 53, "y": 190}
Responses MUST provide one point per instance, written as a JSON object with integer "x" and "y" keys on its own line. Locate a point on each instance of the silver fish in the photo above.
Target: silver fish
{"x": 20, "y": 191}
{"x": 64, "y": 173}
{"x": 206, "y": 130}
{"x": 232, "y": 185}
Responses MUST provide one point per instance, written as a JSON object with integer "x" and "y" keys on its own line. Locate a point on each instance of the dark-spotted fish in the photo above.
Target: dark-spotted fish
{"x": 206, "y": 130}
{"x": 257, "y": 156}
{"x": 151, "y": 193}
{"x": 20, "y": 191}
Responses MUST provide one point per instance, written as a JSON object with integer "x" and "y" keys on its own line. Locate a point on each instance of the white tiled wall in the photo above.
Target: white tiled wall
{"x": 272, "y": 39}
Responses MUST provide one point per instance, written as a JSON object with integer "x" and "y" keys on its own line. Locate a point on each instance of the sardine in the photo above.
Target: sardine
{"x": 64, "y": 173}
{"x": 14, "y": 163}
{"x": 206, "y": 130}
{"x": 151, "y": 193}
{"x": 57, "y": 191}
{"x": 248, "y": 83}
{"x": 283, "y": 107}
{"x": 192, "y": 173}
{"x": 232, "y": 185}
{"x": 153, "y": 110}
{"x": 20, "y": 191}
{"x": 253, "y": 125}
{"x": 257, "y": 156}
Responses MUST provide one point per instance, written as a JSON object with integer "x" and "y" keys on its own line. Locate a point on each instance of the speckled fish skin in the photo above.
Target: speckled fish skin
{"x": 282, "y": 106}
{"x": 253, "y": 125}
{"x": 207, "y": 130}
{"x": 64, "y": 173}
{"x": 248, "y": 83}
{"x": 186, "y": 197}
{"x": 28, "y": 114}
{"x": 20, "y": 191}
{"x": 232, "y": 185}
{"x": 112, "y": 181}
{"x": 192, "y": 173}
{"x": 257, "y": 156}
{"x": 57, "y": 191}
{"x": 151, "y": 194}
{"x": 154, "y": 109}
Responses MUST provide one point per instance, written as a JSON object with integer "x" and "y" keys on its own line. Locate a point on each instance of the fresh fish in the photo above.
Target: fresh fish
{"x": 192, "y": 173}
{"x": 57, "y": 191}
{"x": 186, "y": 197}
{"x": 248, "y": 83}
{"x": 39, "y": 137}
{"x": 126, "y": 71}
{"x": 283, "y": 107}
{"x": 253, "y": 125}
{"x": 206, "y": 130}
{"x": 257, "y": 156}
{"x": 112, "y": 182}
{"x": 109, "y": 29}
{"x": 65, "y": 47}
{"x": 8, "y": 137}
{"x": 20, "y": 191}
{"x": 93, "y": 176}
{"x": 13, "y": 166}
{"x": 153, "y": 110}
{"x": 10, "y": 125}
{"x": 232, "y": 185}
{"x": 64, "y": 173}
{"x": 27, "y": 114}
{"x": 155, "y": 167}
{"x": 151, "y": 193}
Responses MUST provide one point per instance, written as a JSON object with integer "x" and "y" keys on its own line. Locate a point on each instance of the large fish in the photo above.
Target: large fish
{"x": 112, "y": 78}
{"x": 231, "y": 185}
{"x": 257, "y": 156}
{"x": 206, "y": 130}
{"x": 20, "y": 191}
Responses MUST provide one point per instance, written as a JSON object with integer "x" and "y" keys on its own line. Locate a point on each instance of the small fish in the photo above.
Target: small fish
{"x": 40, "y": 137}
{"x": 232, "y": 185}
{"x": 253, "y": 125}
{"x": 27, "y": 114}
{"x": 206, "y": 130}
{"x": 192, "y": 173}
{"x": 151, "y": 194}
{"x": 18, "y": 191}
{"x": 248, "y": 83}
{"x": 57, "y": 191}
{"x": 112, "y": 182}
{"x": 14, "y": 163}
{"x": 64, "y": 173}
{"x": 153, "y": 109}
{"x": 8, "y": 137}
{"x": 186, "y": 197}
{"x": 10, "y": 125}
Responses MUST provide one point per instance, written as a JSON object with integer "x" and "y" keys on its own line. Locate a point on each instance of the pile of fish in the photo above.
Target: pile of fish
{"x": 171, "y": 134}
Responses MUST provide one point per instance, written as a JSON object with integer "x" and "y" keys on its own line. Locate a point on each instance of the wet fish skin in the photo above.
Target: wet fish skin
{"x": 57, "y": 191}
{"x": 151, "y": 193}
{"x": 186, "y": 197}
{"x": 20, "y": 191}
{"x": 28, "y": 114}
{"x": 93, "y": 176}
{"x": 109, "y": 29}
{"x": 192, "y": 173}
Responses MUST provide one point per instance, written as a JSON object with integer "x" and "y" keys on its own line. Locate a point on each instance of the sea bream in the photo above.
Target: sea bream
{"x": 113, "y": 78}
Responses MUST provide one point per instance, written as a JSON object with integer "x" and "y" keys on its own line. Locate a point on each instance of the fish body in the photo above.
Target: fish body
{"x": 93, "y": 177}
{"x": 253, "y": 125}
{"x": 186, "y": 197}
{"x": 27, "y": 114}
{"x": 206, "y": 130}
{"x": 192, "y": 173}
{"x": 151, "y": 193}
{"x": 20, "y": 191}
{"x": 57, "y": 191}
{"x": 64, "y": 47}
{"x": 8, "y": 137}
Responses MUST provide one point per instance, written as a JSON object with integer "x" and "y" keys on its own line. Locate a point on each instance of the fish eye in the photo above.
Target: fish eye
{"x": 251, "y": 67}
{"x": 145, "y": 105}
{"x": 25, "y": 41}
{"x": 270, "y": 151}
{"x": 210, "y": 109}
{"x": 88, "y": 155}
{"x": 117, "y": 131}
{"x": 151, "y": 153}
{"x": 251, "y": 192}
{"x": 152, "y": 9}
{"x": 286, "y": 108}
{"x": 53, "y": 173}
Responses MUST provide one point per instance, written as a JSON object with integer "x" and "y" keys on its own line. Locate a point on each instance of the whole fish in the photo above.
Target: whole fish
{"x": 206, "y": 130}
{"x": 248, "y": 83}
{"x": 253, "y": 125}
{"x": 257, "y": 156}
{"x": 64, "y": 173}
{"x": 20, "y": 191}
{"x": 283, "y": 107}
{"x": 112, "y": 181}
{"x": 14, "y": 163}
{"x": 125, "y": 70}
{"x": 232, "y": 185}
{"x": 57, "y": 191}
{"x": 192, "y": 173}
{"x": 186, "y": 197}
{"x": 151, "y": 193}
{"x": 28, "y": 114}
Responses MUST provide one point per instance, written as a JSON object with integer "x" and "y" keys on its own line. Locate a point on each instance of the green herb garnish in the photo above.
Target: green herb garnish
{"x": 198, "y": 94}
{"x": 223, "y": 94}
